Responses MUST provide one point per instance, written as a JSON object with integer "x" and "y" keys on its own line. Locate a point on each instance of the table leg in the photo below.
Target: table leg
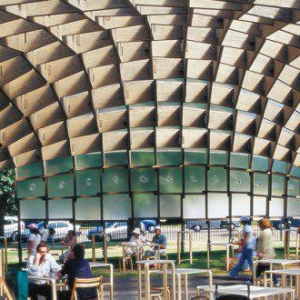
{"x": 210, "y": 280}
{"x": 54, "y": 292}
{"x": 227, "y": 257}
{"x": 178, "y": 287}
{"x": 111, "y": 275}
{"x": 147, "y": 282}
{"x": 208, "y": 256}
{"x": 298, "y": 286}
{"x": 186, "y": 287}
{"x": 139, "y": 282}
{"x": 165, "y": 281}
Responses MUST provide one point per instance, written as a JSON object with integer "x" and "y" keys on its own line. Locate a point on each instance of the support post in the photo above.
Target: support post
{"x": 93, "y": 248}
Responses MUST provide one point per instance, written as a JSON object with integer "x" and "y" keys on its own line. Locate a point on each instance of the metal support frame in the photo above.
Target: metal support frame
{"x": 180, "y": 235}
{"x": 4, "y": 258}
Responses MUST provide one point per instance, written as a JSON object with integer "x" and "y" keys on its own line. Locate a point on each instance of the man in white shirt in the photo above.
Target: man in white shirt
{"x": 42, "y": 264}
{"x": 136, "y": 240}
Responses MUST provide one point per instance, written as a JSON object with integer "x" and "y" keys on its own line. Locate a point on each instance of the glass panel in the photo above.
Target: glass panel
{"x": 279, "y": 166}
{"x": 239, "y": 181}
{"x": 238, "y": 160}
{"x": 61, "y": 186}
{"x": 145, "y": 206}
{"x": 169, "y": 206}
{"x": 60, "y": 209}
{"x": 170, "y": 180}
{"x": 31, "y": 188}
{"x": 88, "y": 182}
{"x": 276, "y": 207}
{"x": 143, "y": 180}
{"x": 59, "y": 165}
{"x": 217, "y": 205}
{"x": 260, "y": 163}
{"x": 261, "y": 185}
{"x": 194, "y": 179}
{"x": 259, "y": 206}
{"x": 196, "y": 157}
{"x": 278, "y": 185}
{"x": 142, "y": 158}
{"x": 217, "y": 179}
{"x": 115, "y": 180}
{"x": 88, "y": 209}
{"x": 218, "y": 158}
{"x": 240, "y": 205}
{"x": 118, "y": 158}
{"x": 293, "y": 187}
{"x": 295, "y": 171}
{"x": 194, "y": 207}
{"x": 293, "y": 207}
{"x": 90, "y": 160}
{"x": 169, "y": 158}
{"x": 116, "y": 207}
{"x": 32, "y": 170}
{"x": 33, "y": 209}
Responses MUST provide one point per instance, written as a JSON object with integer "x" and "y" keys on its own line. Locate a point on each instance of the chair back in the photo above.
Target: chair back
{"x": 4, "y": 291}
{"x": 86, "y": 283}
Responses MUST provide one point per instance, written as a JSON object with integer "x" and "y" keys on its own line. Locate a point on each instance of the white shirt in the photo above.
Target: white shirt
{"x": 35, "y": 239}
{"x": 44, "y": 234}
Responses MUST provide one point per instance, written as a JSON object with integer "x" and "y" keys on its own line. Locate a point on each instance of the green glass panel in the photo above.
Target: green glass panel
{"x": 31, "y": 188}
{"x": 295, "y": 171}
{"x": 260, "y": 163}
{"x": 240, "y": 161}
{"x": 170, "y": 180}
{"x": 218, "y": 158}
{"x": 115, "y": 180}
{"x": 143, "y": 180}
{"x": 60, "y": 209}
{"x": 239, "y": 181}
{"x": 32, "y": 209}
{"x": 142, "y": 158}
{"x": 217, "y": 205}
{"x": 293, "y": 207}
{"x": 31, "y": 170}
{"x": 116, "y": 159}
{"x": 293, "y": 187}
{"x": 61, "y": 185}
{"x": 194, "y": 207}
{"x": 116, "y": 207}
{"x": 169, "y": 158}
{"x": 240, "y": 205}
{"x": 279, "y": 166}
{"x": 276, "y": 208}
{"x": 91, "y": 160}
{"x": 217, "y": 179}
{"x": 88, "y": 182}
{"x": 194, "y": 178}
{"x": 170, "y": 206}
{"x": 59, "y": 165}
{"x": 196, "y": 157}
{"x": 259, "y": 206}
{"x": 145, "y": 206}
{"x": 88, "y": 209}
{"x": 260, "y": 184}
{"x": 278, "y": 185}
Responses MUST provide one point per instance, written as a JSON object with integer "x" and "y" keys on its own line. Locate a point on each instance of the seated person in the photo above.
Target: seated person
{"x": 70, "y": 241}
{"x": 136, "y": 239}
{"x": 41, "y": 264}
{"x": 77, "y": 267}
{"x": 159, "y": 243}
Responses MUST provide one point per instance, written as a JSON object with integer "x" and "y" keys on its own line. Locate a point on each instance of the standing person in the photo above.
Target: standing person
{"x": 77, "y": 267}
{"x": 34, "y": 239}
{"x": 248, "y": 245}
{"x": 45, "y": 232}
{"x": 159, "y": 242}
{"x": 265, "y": 249}
{"x": 70, "y": 241}
{"x": 42, "y": 264}
{"x": 51, "y": 235}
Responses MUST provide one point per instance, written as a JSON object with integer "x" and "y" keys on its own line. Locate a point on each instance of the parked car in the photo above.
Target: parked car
{"x": 198, "y": 225}
{"x": 11, "y": 225}
{"x": 114, "y": 231}
{"x": 291, "y": 222}
{"x": 61, "y": 229}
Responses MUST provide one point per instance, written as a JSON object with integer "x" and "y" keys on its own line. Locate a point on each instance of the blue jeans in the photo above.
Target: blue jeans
{"x": 246, "y": 256}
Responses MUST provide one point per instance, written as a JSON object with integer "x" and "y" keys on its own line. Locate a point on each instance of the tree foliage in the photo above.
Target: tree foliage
{"x": 7, "y": 196}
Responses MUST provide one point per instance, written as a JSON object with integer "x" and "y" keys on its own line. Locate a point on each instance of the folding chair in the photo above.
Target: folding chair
{"x": 87, "y": 283}
{"x": 4, "y": 291}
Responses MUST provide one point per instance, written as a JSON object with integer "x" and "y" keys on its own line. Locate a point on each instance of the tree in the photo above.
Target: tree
{"x": 7, "y": 196}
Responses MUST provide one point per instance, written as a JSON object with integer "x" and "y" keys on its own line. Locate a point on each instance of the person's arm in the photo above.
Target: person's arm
{"x": 163, "y": 244}
{"x": 73, "y": 242}
{"x": 64, "y": 270}
{"x": 245, "y": 238}
{"x": 33, "y": 267}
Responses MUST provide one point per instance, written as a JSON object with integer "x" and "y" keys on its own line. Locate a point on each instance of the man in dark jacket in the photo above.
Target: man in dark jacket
{"x": 77, "y": 267}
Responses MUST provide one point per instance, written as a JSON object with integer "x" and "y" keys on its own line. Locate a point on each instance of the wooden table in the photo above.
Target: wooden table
{"x": 50, "y": 281}
{"x": 255, "y": 292}
{"x": 164, "y": 264}
{"x": 185, "y": 272}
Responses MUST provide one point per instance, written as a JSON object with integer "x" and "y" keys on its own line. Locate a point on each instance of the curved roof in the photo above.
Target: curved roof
{"x": 83, "y": 76}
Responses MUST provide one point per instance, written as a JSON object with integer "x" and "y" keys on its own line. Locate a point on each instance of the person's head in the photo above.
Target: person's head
{"x": 33, "y": 228}
{"x": 42, "y": 248}
{"x": 157, "y": 230}
{"x": 264, "y": 223}
{"x": 136, "y": 232}
{"x": 71, "y": 233}
{"x": 46, "y": 224}
{"x": 245, "y": 220}
{"x": 78, "y": 252}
